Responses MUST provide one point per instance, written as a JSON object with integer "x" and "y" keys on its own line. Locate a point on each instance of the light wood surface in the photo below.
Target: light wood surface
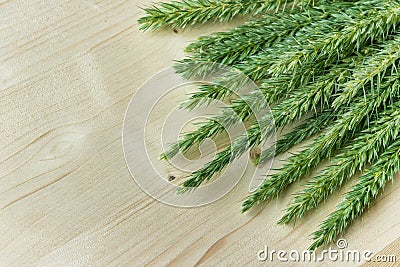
{"x": 67, "y": 72}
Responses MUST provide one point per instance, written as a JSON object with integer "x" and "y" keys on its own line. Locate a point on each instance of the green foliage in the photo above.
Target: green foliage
{"x": 362, "y": 150}
{"x": 325, "y": 145}
{"x": 304, "y": 131}
{"x": 331, "y": 66}
{"x": 256, "y": 35}
{"x": 190, "y": 12}
{"x": 371, "y": 183}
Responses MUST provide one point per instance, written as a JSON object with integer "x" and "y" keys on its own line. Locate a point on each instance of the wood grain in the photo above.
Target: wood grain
{"x": 67, "y": 72}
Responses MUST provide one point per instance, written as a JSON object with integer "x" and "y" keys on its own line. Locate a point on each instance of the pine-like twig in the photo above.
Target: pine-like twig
{"x": 300, "y": 102}
{"x": 334, "y": 40}
{"x": 385, "y": 60}
{"x": 324, "y": 146}
{"x": 362, "y": 150}
{"x": 244, "y": 41}
{"x": 360, "y": 197}
{"x": 292, "y": 108}
{"x": 190, "y": 12}
{"x": 379, "y": 22}
{"x": 295, "y": 106}
{"x": 336, "y": 62}
{"x": 238, "y": 44}
{"x": 212, "y": 127}
{"x": 307, "y": 129}
{"x": 222, "y": 159}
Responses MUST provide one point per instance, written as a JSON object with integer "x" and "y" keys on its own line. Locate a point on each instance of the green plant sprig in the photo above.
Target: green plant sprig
{"x": 191, "y": 12}
{"x": 300, "y": 102}
{"x": 330, "y": 65}
{"x": 385, "y": 59}
{"x": 325, "y": 145}
{"x": 304, "y": 131}
{"x": 371, "y": 183}
{"x": 364, "y": 149}
{"x": 291, "y": 109}
{"x": 238, "y": 44}
{"x": 256, "y": 65}
{"x": 327, "y": 49}
{"x": 270, "y": 62}
{"x": 239, "y": 146}
{"x": 230, "y": 116}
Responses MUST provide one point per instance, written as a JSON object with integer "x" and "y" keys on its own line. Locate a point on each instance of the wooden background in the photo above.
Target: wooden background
{"x": 67, "y": 72}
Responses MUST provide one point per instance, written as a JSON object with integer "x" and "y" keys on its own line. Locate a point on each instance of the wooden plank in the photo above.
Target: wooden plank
{"x": 68, "y": 70}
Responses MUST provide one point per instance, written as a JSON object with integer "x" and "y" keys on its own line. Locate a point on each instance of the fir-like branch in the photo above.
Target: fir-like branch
{"x": 324, "y": 146}
{"x": 306, "y": 60}
{"x": 292, "y": 108}
{"x": 373, "y": 70}
{"x": 255, "y": 65}
{"x": 361, "y": 151}
{"x": 360, "y": 197}
{"x": 320, "y": 61}
{"x": 212, "y": 127}
{"x": 190, "y": 12}
{"x": 307, "y": 129}
{"x": 334, "y": 39}
{"x": 289, "y": 110}
{"x": 231, "y": 81}
{"x": 222, "y": 159}
{"x": 238, "y": 44}
{"x": 253, "y": 35}
{"x": 327, "y": 49}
